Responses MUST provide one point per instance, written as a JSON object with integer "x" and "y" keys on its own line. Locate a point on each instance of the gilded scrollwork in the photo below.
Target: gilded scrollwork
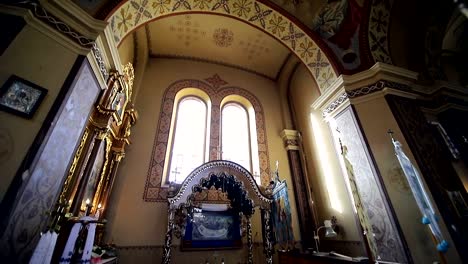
{"x": 104, "y": 171}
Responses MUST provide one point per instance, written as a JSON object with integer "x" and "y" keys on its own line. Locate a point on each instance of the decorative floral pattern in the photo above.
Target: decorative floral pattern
{"x": 223, "y": 37}
{"x": 181, "y": 3}
{"x": 134, "y": 13}
{"x": 202, "y": 4}
{"x": 123, "y": 21}
{"x": 242, "y": 8}
{"x": 260, "y": 15}
{"x": 162, "y": 6}
{"x": 379, "y": 23}
{"x": 222, "y": 3}
{"x": 317, "y": 64}
{"x": 140, "y": 8}
{"x": 277, "y": 25}
{"x": 216, "y": 81}
{"x": 293, "y": 36}
{"x": 306, "y": 50}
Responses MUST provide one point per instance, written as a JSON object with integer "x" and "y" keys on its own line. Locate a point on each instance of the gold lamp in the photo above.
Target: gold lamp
{"x": 329, "y": 232}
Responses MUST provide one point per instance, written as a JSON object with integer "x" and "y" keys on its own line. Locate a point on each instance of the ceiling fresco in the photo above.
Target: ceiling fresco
{"x": 355, "y": 31}
{"x": 342, "y": 24}
{"x": 336, "y": 21}
{"x": 217, "y": 39}
{"x": 307, "y": 47}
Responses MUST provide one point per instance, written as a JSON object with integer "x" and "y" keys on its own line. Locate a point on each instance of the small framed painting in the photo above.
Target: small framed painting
{"x": 21, "y": 97}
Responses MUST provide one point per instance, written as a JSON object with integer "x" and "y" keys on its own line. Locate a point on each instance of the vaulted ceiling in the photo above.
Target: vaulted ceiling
{"x": 216, "y": 39}
{"x": 354, "y": 34}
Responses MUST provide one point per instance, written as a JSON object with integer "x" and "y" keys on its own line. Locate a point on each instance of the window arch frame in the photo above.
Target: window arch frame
{"x": 155, "y": 187}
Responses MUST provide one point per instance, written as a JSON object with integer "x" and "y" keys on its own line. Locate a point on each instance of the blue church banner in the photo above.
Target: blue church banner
{"x": 281, "y": 216}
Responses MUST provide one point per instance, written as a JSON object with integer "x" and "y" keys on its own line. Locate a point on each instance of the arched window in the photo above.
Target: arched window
{"x": 235, "y": 135}
{"x": 239, "y": 134}
{"x": 189, "y": 138}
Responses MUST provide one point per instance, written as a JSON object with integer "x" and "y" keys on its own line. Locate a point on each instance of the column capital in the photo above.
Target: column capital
{"x": 291, "y": 139}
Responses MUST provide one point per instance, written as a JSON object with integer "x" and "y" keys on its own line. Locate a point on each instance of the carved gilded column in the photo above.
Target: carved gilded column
{"x": 109, "y": 181}
{"x": 98, "y": 138}
{"x": 301, "y": 187}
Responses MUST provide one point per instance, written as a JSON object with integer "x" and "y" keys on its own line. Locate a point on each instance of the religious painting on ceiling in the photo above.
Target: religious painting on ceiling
{"x": 281, "y": 215}
{"x": 336, "y": 21}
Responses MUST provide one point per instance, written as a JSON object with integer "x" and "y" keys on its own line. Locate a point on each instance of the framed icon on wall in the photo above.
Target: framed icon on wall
{"x": 21, "y": 97}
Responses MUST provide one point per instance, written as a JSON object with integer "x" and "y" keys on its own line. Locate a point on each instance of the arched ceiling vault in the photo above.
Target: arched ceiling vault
{"x": 302, "y": 42}
{"x": 216, "y": 39}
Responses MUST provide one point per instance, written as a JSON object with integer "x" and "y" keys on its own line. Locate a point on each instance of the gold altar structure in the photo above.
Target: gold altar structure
{"x": 91, "y": 176}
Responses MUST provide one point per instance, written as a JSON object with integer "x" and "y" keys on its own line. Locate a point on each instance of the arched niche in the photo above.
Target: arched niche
{"x": 243, "y": 193}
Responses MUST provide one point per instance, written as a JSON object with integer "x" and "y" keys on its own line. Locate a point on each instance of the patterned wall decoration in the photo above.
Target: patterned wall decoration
{"x": 186, "y": 30}
{"x": 254, "y": 47}
{"x": 223, "y": 37}
{"x": 379, "y": 24}
{"x": 43, "y": 182}
{"x": 134, "y": 13}
{"x": 154, "y": 192}
{"x": 389, "y": 246}
{"x": 216, "y": 81}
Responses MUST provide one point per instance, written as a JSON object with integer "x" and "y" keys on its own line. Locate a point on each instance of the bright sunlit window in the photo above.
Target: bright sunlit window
{"x": 188, "y": 150}
{"x": 235, "y": 135}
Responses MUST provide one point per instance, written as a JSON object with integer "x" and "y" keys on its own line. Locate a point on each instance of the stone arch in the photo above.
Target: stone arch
{"x": 304, "y": 43}
{"x": 153, "y": 189}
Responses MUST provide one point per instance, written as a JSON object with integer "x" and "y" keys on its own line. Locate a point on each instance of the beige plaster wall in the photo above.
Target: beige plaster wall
{"x": 41, "y": 60}
{"x": 127, "y": 49}
{"x": 135, "y": 222}
{"x": 418, "y": 236}
{"x": 324, "y": 172}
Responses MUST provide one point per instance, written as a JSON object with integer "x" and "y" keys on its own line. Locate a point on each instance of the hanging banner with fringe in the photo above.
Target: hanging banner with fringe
{"x": 417, "y": 188}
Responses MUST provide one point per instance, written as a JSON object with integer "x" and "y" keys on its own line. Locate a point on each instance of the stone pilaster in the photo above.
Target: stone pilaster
{"x": 301, "y": 187}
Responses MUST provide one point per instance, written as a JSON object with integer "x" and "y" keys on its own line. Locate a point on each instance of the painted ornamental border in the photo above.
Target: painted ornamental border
{"x": 259, "y": 14}
{"x": 154, "y": 192}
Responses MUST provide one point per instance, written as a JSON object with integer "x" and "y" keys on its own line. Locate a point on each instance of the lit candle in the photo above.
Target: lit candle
{"x": 98, "y": 211}
{"x": 88, "y": 207}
